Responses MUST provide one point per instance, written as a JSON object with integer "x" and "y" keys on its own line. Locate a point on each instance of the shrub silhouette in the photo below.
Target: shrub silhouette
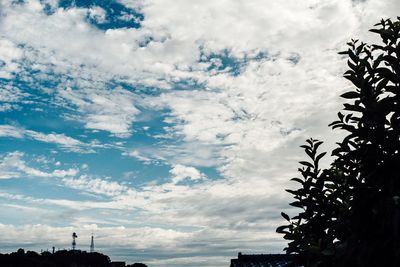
{"x": 351, "y": 211}
{"x": 62, "y": 258}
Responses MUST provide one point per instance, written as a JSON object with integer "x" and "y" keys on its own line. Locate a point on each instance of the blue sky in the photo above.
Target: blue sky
{"x": 168, "y": 128}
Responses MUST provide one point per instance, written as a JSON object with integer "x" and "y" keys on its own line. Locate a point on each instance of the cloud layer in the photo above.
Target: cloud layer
{"x": 174, "y": 127}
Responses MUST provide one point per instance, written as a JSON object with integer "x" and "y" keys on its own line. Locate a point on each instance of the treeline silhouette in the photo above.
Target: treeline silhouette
{"x": 61, "y": 258}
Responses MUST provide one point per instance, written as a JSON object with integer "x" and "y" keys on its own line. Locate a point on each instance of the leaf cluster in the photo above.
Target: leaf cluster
{"x": 350, "y": 213}
{"x": 308, "y": 231}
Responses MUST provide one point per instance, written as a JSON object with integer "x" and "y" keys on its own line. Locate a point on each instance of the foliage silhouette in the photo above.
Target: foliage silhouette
{"x": 351, "y": 211}
{"x": 62, "y": 258}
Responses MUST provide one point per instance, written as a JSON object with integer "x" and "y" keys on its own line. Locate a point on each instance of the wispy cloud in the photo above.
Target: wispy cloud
{"x": 136, "y": 154}
{"x": 103, "y": 109}
{"x": 65, "y": 142}
{"x": 96, "y": 185}
{"x": 12, "y": 165}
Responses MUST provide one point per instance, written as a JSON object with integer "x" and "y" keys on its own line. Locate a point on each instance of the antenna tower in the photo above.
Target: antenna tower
{"x": 92, "y": 244}
{"x": 74, "y": 236}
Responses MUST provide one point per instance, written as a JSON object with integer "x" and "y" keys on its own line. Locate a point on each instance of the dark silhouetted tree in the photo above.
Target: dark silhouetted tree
{"x": 62, "y": 258}
{"x": 351, "y": 211}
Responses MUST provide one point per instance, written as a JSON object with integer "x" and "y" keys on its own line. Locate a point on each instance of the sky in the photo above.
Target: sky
{"x": 167, "y": 128}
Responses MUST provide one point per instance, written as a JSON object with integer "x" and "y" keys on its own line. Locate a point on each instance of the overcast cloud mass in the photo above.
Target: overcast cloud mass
{"x": 168, "y": 128}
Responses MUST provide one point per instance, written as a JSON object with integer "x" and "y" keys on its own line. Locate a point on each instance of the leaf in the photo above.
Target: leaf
{"x": 360, "y": 48}
{"x": 330, "y": 186}
{"x": 376, "y": 30}
{"x": 387, "y": 73}
{"x": 350, "y": 95}
{"x": 281, "y": 229}
{"x": 382, "y": 84}
{"x": 292, "y": 191}
{"x": 288, "y": 236}
{"x": 378, "y": 60}
{"x": 394, "y": 62}
{"x": 355, "y": 80}
{"x": 317, "y": 159}
{"x": 297, "y": 180}
{"x": 340, "y": 115}
{"x": 353, "y": 56}
{"x": 349, "y": 72}
{"x": 334, "y": 123}
{"x": 284, "y": 215}
{"x": 308, "y": 164}
{"x": 296, "y": 204}
{"x": 348, "y": 117}
{"x": 317, "y": 144}
{"x": 351, "y": 65}
{"x": 353, "y": 108}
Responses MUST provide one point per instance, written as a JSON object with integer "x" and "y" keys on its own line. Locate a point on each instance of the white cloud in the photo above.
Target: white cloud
{"x": 96, "y": 185}
{"x": 136, "y": 239}
{"x": 108, "y": 110}
{"x": 174, "y": 51}
{"x": 9, "y": 56}
{"x": 11, "y": 97}
{"x": 11, "y": 131}
{"x": 65, "y": 142}
{"x": 191, "y": 153}
{"x": 59, "y": 139}
{"x": 12, "y": 165}
{"x": 136, "y": 154}
{"x": 181, "y": 172}
{"x": 203, "y": 219}
{"x": 97, "y": 14}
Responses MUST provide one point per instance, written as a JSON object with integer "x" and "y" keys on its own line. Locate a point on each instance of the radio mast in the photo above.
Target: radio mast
{"x": 74, "y": 236}
{"x": 92, "y": 244}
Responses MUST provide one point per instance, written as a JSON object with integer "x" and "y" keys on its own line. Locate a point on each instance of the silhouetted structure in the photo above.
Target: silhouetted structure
{"x": 137, "y": 265}
{"x": 262, "y": 260}
{"x": 92, "y": 244}
{"x": 74, "y": 236}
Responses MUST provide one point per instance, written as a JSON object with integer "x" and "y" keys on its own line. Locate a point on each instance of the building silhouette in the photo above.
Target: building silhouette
{"x": 262, "y": 260}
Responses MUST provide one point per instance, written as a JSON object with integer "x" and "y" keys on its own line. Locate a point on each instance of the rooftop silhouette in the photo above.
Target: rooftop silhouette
{"x": 262, "y": 260}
